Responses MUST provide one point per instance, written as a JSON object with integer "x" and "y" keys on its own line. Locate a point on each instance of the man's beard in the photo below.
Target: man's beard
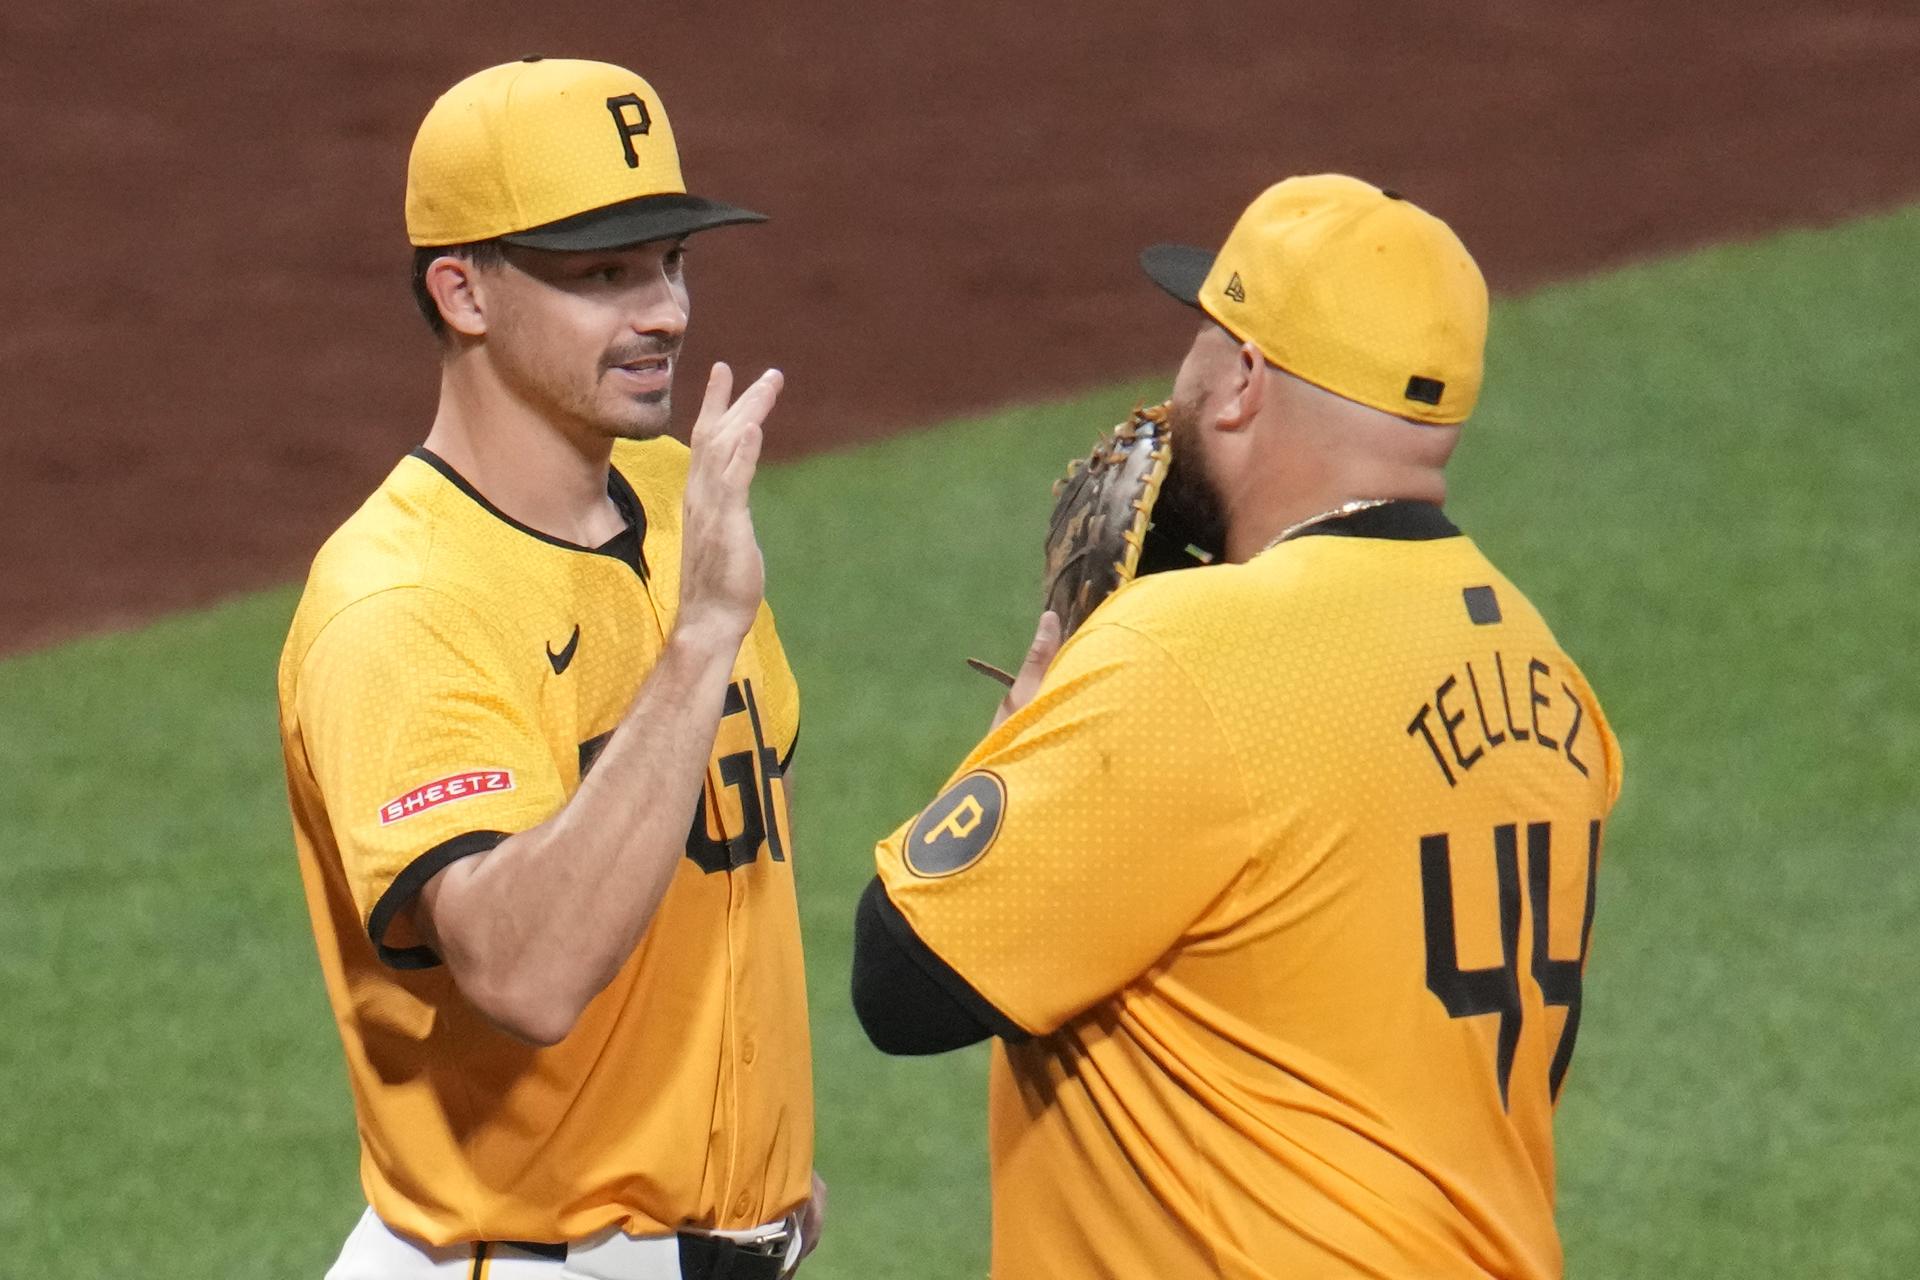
{"x": 583, "y": 398}
{"x": 650, "y": 425}
{"x": 647, "y": 416}
{"x": 1190, "y": 510}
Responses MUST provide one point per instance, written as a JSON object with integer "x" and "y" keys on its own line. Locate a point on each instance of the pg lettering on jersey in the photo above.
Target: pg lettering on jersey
{"x": 431, "y": 795}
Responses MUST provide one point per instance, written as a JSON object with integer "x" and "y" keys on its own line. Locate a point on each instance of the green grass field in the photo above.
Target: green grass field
{"x": 1702, "y": 471}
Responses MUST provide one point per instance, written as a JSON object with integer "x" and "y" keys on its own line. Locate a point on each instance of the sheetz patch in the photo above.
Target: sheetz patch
{"x": 431, "y": 795}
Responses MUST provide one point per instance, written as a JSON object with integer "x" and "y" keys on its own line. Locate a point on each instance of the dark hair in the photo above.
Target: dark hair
{"x": 481, "y": 253}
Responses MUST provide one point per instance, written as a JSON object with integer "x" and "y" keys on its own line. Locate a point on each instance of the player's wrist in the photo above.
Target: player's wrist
{"x": 708, "y": 635}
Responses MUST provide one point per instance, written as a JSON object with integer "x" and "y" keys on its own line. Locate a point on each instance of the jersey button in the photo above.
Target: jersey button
{"x": 749, "y": 1051}
{"x": 741, "y": 1205}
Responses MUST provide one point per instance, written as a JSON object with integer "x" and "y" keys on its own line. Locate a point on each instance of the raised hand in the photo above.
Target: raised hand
{"x": 1046, "y": 643}
{"x": 722, "y": 576}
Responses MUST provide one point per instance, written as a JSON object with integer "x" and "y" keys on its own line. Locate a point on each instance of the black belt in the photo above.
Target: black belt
{"x": 717, "y": 1258}
{"x": 703, "y": 1257}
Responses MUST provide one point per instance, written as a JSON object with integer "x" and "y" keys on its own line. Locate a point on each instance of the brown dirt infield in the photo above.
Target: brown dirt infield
{"x": 209, "y": 353}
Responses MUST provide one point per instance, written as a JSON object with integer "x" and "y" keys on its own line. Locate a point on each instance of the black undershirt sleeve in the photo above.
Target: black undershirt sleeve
{"x": 908, "y": 999}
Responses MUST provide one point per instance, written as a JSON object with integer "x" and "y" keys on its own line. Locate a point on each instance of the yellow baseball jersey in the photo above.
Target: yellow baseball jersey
{"x": 1288, "y": 869}
{"x": 449, "y": 678}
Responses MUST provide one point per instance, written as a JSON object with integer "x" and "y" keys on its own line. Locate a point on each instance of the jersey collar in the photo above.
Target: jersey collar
{"x": 1403, "y": 520}
{"x": 618, "y": 490}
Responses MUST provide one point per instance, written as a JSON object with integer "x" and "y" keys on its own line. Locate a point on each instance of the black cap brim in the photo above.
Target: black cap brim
{"x": 1180, "y": 269}
{"x": 662, "y": 217}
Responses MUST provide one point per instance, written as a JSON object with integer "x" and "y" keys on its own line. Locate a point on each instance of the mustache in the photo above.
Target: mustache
{"x": 644, "y": 349}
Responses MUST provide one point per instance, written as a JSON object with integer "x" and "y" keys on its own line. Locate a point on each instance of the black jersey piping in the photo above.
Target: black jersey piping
{"x": 1402, "y": 520}
{"x": 618, "y": 490}
{"x": 627, "y": 548}
{"x": 407, "y": 886}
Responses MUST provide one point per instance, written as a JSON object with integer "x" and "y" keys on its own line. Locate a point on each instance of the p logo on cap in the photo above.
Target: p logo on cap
{"x": 552, "y": 153}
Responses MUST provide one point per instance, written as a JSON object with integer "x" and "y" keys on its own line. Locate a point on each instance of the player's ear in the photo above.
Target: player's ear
{"x": 459, "y": 292}
{"x": 1248, "y": 389}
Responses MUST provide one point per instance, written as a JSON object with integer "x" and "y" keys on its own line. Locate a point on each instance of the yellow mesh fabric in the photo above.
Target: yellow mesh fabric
{"x": 1356, "y": 291}
{"x": 1208, "y": 893}
{"x": 423, "y": 649}
{"x": 479, "y": 169}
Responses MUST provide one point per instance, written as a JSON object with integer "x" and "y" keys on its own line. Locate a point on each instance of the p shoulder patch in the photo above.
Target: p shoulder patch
{"x": 956, "y": 830}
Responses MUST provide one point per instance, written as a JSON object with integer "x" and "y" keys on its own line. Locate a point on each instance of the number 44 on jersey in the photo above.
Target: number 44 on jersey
{"x": 1469, "y": 993}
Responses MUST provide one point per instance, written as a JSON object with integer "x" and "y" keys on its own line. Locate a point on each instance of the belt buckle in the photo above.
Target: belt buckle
{"x": 772, "y": 1245}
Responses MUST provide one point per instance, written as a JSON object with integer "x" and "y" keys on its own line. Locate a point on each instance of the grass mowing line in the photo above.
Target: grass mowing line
{"x": 1700, "y": 468}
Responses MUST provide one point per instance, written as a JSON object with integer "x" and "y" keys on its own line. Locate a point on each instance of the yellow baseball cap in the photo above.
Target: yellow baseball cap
{"x": 552, "y": 153}
{"x": 1350, "y": 287}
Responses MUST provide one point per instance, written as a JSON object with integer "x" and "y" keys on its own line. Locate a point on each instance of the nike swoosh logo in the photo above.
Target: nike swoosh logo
{"x": 564, "y": 659}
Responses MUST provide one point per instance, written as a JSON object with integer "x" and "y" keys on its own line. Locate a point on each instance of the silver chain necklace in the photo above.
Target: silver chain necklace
{"x": 1344, "y": 509}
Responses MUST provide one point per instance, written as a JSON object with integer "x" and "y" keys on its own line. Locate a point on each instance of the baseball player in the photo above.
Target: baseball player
{"x": 537, "y": 728}
{"x": 1275, "y": 883}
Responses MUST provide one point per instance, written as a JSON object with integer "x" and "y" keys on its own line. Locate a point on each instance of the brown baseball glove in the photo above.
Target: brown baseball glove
{"x": 1102, "y": 522}
{"x": 1102, "y": 509}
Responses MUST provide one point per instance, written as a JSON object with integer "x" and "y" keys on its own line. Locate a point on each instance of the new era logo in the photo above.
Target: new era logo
{"x": 1236, "y": 290}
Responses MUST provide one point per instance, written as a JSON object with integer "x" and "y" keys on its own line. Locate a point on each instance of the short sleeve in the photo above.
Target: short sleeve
{"x": 1081, "y": 840}
{"x": 779, "y": 700}
{"x": 425, "y": 747}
